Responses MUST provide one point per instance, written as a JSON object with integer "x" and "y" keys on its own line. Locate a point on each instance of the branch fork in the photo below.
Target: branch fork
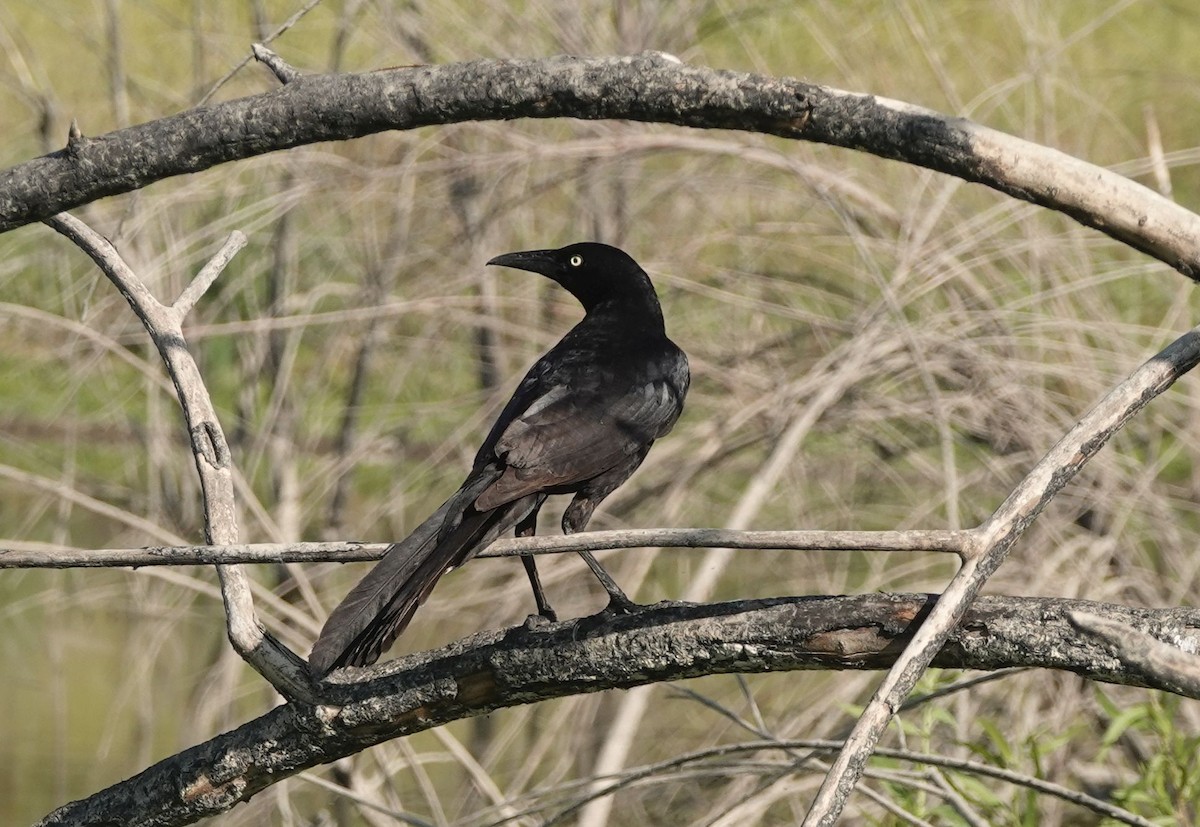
{"x": 283, "y": 669}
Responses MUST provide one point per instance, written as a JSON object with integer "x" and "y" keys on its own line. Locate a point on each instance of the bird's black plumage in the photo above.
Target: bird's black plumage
{"x": 581, "y": 422}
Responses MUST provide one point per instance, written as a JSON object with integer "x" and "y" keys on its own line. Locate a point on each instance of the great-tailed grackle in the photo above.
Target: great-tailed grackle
{"x": 581, "y": 422}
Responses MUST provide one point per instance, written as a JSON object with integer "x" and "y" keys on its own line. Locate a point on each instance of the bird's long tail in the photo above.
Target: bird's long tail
{"x": 379, "y": 608}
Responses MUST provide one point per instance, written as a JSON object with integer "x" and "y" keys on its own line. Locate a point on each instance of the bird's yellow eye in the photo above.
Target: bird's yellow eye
{"x": 576, "y": 260}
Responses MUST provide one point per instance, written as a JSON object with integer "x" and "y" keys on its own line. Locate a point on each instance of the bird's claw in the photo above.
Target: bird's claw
{"x": 620, "y": 606}
{"x": 540, "y": 621}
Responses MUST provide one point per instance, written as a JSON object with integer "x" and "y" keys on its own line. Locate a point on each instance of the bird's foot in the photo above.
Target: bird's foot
{"x": 620, "y": 605}
{"x": 539, "y": 621}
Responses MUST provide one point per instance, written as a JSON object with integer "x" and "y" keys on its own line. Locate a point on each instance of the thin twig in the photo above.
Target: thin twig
{"x": 283, "y": 27}
{"x": 954, "y": 798}
{"x": 651, "y": 771}
{"x": 208, "y": 274}
{"x": 996, "y": 538}
{"x": 363, "y": 801}
{"x": 947, "y": 542}
{"x": 283, "y": 70}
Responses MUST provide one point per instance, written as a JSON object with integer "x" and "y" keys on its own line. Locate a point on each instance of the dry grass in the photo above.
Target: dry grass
{"x": 873, "y": 346}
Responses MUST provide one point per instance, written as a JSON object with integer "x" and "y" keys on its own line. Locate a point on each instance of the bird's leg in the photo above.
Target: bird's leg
{"x": 618, "y": 601}
{"x": 527, "y": 528}
{"x": 575, "y": 519}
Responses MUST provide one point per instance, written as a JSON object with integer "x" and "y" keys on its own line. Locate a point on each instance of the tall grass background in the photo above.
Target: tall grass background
{"x": 873, "y": 346}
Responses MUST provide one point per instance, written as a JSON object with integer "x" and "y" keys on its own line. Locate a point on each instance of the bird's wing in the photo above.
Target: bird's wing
{"x": 566, "y": 436}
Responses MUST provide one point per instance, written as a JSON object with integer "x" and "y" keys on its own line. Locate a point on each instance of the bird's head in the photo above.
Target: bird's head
{"x": 592, "y": 272}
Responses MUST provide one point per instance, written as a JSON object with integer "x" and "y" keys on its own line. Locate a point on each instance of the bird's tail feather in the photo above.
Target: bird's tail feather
{"x": 379, "y": 608}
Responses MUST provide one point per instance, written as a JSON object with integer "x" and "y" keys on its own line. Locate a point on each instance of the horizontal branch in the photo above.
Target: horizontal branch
{"x": 951, "y": 542}
{"x": 650, "y": 87}
{"x": 1173, "y": 663}
{"x": 666, "y": 642}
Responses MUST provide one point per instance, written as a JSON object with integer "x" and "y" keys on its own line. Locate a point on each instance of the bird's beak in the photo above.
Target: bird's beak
{"x": 535, "y": 261}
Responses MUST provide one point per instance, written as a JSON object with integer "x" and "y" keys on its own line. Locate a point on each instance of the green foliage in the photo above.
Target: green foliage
{"x": 1166, "y": 785}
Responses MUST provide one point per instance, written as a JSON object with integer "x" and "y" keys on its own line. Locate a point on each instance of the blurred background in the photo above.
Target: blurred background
{"x": 873, "y": 346}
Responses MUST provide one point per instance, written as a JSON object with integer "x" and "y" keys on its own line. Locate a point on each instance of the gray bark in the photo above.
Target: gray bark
{"x": 650, "y": 87}
{"x": 659, "y": 643}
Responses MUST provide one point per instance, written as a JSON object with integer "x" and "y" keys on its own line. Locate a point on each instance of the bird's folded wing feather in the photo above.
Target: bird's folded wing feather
{"x": 566, "y": 437}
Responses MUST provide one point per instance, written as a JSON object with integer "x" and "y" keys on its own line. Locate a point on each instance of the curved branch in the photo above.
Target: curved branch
{"x": 285, "y": 670}
{"x": 666, "y": 642}
{"x": 650, "y": 87}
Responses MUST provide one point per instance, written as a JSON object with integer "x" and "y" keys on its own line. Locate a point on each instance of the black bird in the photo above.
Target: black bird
{"x": 581, "y": 422}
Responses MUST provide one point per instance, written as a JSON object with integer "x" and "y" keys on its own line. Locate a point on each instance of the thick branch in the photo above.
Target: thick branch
{"x": 649, "y": 87}
{"x": 667, "y": 642}
{"x": 1174, "y": 663}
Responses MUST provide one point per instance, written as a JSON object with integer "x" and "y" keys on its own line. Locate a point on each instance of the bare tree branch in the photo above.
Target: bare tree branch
{"x": 995, "y": 539}
{"x": 949, "y": 542}
{"x": 282, "y": 70}
{"x": 1172, "y": 663}
{"x": 632, "y": 776}
{"x": 650, "y": 87}
{"x": 516, "y": 666}
{"x": 284, "y": 670}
